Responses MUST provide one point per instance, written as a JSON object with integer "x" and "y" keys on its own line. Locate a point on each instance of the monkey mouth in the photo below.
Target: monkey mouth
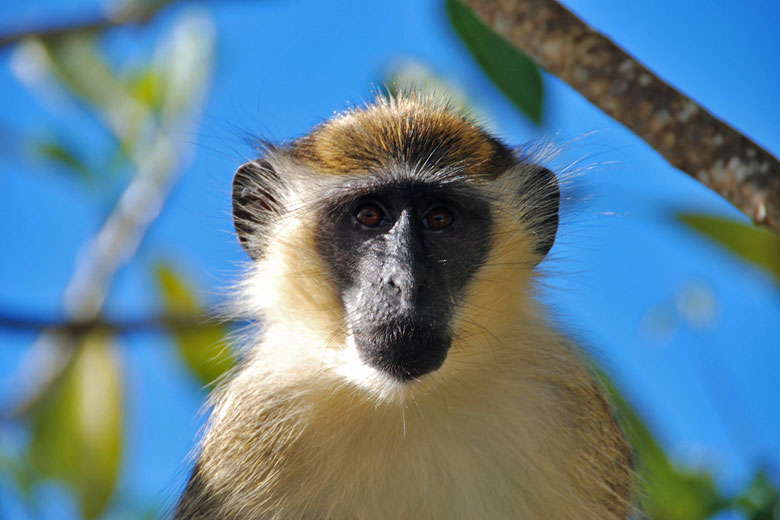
{"x": 404, "y": 350}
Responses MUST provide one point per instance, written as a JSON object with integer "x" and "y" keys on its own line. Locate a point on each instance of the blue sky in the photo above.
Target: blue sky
{"x": 707, "y": 383}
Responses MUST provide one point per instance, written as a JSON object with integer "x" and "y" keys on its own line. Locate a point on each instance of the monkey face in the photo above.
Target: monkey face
{"x": 397, "y": 205}
{"x": 402, "y": 253}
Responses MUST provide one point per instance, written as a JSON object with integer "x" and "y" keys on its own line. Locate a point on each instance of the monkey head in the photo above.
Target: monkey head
{"x": 390, "y": 214}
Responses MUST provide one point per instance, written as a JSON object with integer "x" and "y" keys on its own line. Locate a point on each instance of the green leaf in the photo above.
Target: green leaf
{"x": 510, "y": 69}
{"x": 204, "y": 349}
{"x": 761, "y": 499}
{"x": 77, "y": 425}
{"x": 758, "y": 246}
{"x": 75, "y": 60}
{"x": 58, "y": 154}
{"x": 147, "y": 87}
{"x": 665, "y": 491}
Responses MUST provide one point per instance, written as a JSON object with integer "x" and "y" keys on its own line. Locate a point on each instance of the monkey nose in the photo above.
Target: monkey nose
{"x": 405, "y": 285}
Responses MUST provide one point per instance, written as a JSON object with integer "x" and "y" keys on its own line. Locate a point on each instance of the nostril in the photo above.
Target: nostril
{"x": 395, "y": 283}
{"x": 404, "y": 284}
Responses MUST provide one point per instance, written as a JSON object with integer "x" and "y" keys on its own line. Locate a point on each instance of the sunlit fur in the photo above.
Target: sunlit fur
{"x": 511, "y": 426}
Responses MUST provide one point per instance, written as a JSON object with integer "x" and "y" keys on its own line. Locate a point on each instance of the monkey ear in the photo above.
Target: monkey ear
{"x": 543, "y": 197}
{"x": 256, "y": 195}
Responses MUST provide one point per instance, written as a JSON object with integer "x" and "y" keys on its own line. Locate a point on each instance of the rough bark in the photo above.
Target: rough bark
{"x": 688, "y": 136}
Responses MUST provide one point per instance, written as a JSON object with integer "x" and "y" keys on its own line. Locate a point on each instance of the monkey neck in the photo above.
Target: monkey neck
{"x": 516, "y": 427}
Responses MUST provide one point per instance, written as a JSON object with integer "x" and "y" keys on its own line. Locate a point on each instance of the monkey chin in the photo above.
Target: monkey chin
{"x": 404, "y": 348}
{"x": 384, "y": 385}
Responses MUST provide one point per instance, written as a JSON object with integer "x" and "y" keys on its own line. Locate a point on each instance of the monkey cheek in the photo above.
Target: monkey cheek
{"x": 404, "y": 351}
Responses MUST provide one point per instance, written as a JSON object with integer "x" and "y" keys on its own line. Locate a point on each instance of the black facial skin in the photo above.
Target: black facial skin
{"x": 398, "y": 277}
{"x": 402, "y": 253}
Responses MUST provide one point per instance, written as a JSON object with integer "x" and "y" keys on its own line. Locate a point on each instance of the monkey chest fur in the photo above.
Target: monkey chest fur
{"x": 433, "y": 455}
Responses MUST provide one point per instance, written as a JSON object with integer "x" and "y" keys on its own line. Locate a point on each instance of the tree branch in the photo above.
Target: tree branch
{"x": 155, "y": 323}
{"x": 87, "y": 24}
{"x": 130, "y": 13}
{"x": 688, "y": 136}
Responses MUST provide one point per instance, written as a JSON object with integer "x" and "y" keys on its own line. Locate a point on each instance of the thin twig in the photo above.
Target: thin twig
{"x": 688, "y": 136}
{"x": 84, "y": 25}
{"x": 127, "y": 16}
{"x": 127, "y": 326}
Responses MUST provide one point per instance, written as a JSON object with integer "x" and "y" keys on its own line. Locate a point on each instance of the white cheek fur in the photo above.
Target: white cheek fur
{"x": 349, "y": 366}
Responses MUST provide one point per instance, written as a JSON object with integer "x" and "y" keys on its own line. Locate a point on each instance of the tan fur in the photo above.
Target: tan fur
{"x": 511, "y": 426}
{"x": 367, "y": 139}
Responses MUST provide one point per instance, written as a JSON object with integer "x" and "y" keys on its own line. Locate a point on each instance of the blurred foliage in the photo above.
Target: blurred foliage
{"x": 75, "y": 412}
{"x": 510, "y": 69}
{"x": 77, "y": 424}
{"x": 412, "y": 76}
{"x": 668, "y": 492}
{"x": 205, "y": 351}
{"x": 760, "y": 500}
{"x": 58, "y": 154}
{"x": 76, "y": 419}
{"x": 758, "y": 246}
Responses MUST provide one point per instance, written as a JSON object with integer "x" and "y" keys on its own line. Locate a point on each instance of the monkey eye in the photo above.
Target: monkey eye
{"x": 438, "y": 218}
{"x": 371, "y": 215}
